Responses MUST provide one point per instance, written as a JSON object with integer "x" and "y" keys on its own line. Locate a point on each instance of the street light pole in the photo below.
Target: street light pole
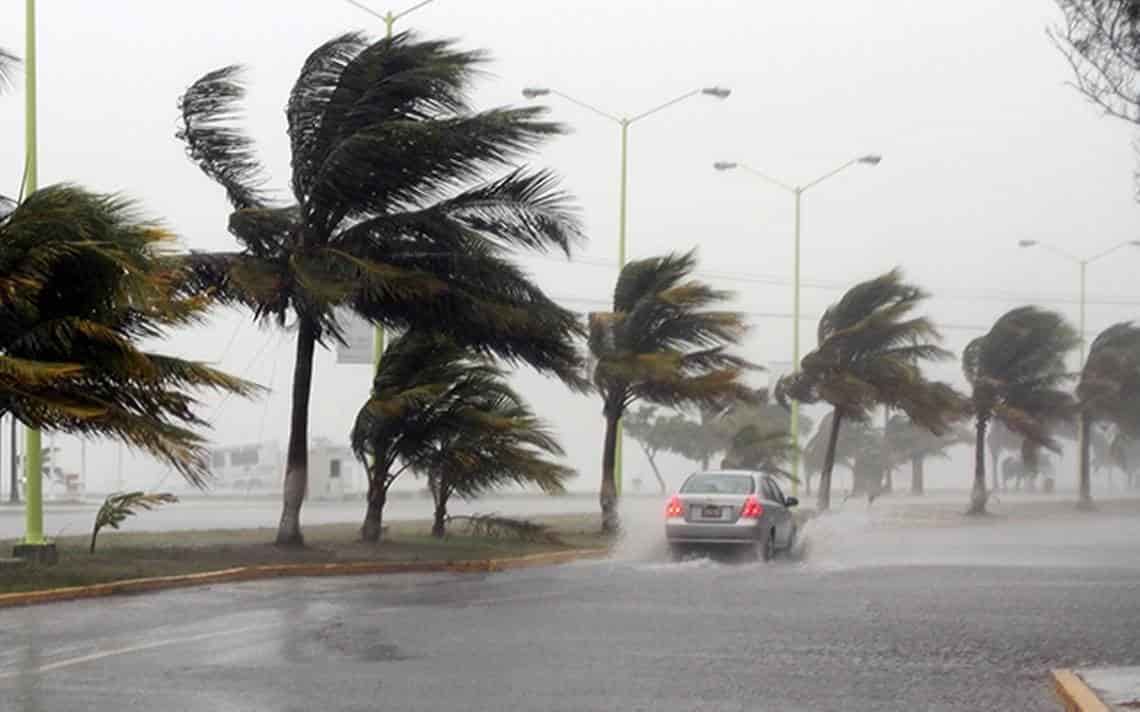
{"x": 624, "y": 122}
{"x": 797, "y": 191}
{"x": 389, "y": 18}
{"x": 33, "y": 472}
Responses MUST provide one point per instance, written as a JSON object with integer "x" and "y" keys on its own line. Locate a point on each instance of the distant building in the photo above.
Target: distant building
{"x": 334, "y": 472}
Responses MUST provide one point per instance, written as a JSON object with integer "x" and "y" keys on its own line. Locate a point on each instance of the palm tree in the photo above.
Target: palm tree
{"x": 662, "y": 345}
{"x": 870, "y": 348}
{"x": 83, "y": 280}
{"x": 1108, "y": 392}
{"x": 416, "y": 385}
{"x": 392, "y": 215}
{"x": 494, "y": 440}
{"x": 908, "y": 442}
{"x": 756, "y": 437}
{"x": 1017, "y": 372}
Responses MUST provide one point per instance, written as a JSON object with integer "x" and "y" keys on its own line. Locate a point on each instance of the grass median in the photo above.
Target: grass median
{"x": 131, "y": 555}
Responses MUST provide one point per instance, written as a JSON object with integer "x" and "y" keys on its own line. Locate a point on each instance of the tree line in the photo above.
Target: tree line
{"x": 406, "y": 206}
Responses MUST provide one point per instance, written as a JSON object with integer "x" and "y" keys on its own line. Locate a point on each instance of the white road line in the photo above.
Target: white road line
{"x": 126, "y": 650}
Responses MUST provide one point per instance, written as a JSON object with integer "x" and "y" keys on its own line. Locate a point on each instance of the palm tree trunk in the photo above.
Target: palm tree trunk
{"x": 978, "y": 494}
{"x": 438, "y": 527}
{"x": 374, "y": 516}
{"x": 824, "y": 500}
{"x": 608, "y": 496}
{"x": 653, "y": 465}
{"x": 917, "y": 475}
{"x": 1084, "y": 496}
{"x": 994, "y": 455}
{"x": 297, "y": 457}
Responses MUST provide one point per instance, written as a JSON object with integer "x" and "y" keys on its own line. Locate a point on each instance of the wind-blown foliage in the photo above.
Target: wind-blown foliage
{"x": 870, "y": 352}
{"x": 493, "y": 440}
{"x": 8, "y": 62}
{"x": 662, "y": 344}
{"x": 394, "y": 214}
{"x": 83, "y": 280}
{"x": 447, "y": 413}
{"x": 1109, "y": 391}
{"x": 1017, "y": 375}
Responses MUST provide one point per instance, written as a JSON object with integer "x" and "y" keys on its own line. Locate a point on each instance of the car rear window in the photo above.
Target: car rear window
{"x": 719, "y": 484}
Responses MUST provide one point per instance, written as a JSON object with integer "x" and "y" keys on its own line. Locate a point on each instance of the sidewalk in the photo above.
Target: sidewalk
{"x": 1108, "y": 689}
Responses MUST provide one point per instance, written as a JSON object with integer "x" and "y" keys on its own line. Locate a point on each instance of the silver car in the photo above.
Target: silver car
{"x": 730, "y": 507}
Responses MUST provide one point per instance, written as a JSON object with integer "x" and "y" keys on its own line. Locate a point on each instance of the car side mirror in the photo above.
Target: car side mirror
{"x": 790, "y": 501}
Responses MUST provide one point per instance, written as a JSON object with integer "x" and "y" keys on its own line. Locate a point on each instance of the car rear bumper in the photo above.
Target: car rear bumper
{"x": 681, "y": 532}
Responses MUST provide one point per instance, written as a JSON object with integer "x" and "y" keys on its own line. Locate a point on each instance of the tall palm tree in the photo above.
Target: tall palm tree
{"x": 83, "y": 281}
{"x": 493, "y": 440}
{"x": 1017, "y": 375}
{"x": 870, "y": 351}
{"x": 911, "y": 443}
{"x": 1108, "y": 392}
{"x": 661, "y": 344}
{"x": 393, "y": 215}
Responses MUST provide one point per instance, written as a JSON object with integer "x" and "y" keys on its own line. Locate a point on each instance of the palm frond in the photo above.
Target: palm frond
{"x": 224, "y": 152}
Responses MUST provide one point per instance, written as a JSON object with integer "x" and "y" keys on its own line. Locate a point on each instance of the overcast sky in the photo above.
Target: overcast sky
{"x": 983, "y": 144}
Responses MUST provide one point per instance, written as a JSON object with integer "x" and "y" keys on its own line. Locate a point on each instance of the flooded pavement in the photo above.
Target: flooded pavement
{"x": 863, "y": 618}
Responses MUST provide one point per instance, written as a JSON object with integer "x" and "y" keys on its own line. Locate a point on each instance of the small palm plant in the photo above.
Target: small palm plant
{"x": 1017, "y": 376}
{"x": 117, "y": 507}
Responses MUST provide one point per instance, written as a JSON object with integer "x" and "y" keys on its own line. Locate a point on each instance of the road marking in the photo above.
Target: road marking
{"x": 126, "y": 650}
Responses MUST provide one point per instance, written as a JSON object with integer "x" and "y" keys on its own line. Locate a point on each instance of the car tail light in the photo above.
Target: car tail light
{"x": 752, "y": 508}
{"x": 674, "y": 508}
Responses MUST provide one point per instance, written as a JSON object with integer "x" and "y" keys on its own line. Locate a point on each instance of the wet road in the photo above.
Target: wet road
{"x": 870, "y": 619}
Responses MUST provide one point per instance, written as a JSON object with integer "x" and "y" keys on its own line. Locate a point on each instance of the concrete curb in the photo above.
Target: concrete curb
{"x": 265, "y": 571}
{"x": 1075, "y": 694}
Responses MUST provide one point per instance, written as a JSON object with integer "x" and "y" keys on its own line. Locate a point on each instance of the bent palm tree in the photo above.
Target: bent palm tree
{"x": 493, "y": 440}
{"x": 661, "y": 345}
{"x": 83, "y": 280}
{"x": 1108, "y": 392}
{"x": 1017, "y": 372}
{"x": 392, "y": 215}
{"x": 870, "y": 348}
{"x": 418, "y": 385}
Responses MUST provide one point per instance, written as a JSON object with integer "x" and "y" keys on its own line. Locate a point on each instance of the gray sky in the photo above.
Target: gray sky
{"x": 983, "y": 145}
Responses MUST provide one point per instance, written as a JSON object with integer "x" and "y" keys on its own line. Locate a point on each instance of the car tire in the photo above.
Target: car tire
{"x": 677, "y": 552}
{"x": 768, "y": 546}
{"x": 791, "y": 547}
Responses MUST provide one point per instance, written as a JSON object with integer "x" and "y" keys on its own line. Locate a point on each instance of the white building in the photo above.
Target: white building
{"x": 334, "y": 472}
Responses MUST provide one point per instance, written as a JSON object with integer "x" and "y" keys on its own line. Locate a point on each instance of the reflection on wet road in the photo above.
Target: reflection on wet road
{"x": 867, "y": 618}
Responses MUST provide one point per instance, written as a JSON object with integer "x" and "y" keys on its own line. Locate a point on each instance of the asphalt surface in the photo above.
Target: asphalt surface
{"x": 865, "y": 618}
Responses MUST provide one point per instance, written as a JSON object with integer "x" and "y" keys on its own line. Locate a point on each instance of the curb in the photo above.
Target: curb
{"x": 266, "y": 571}
{"x": 1075, "y": 694}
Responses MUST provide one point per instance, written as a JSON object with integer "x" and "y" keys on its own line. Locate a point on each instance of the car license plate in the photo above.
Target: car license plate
{"x": 711, "y": 512}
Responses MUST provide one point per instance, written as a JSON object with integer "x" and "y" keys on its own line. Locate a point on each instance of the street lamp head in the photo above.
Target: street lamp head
{"x": 535, "y": 92}
{"x": 871, "y": 159}
{"x": 1026, "y": 243}
{"x": 718, "y": 92}
{"x": 724, "y": 165}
